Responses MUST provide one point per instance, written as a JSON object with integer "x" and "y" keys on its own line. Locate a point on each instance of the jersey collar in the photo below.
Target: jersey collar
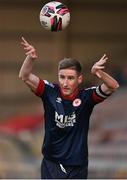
{"x": 70, "y": 97}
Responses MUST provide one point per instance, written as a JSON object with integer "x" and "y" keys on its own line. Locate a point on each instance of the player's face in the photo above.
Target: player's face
{"x": 69, "y": 81}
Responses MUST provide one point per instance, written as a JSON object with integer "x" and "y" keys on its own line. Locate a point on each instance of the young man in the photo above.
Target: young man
{"x": 67, "y": 113}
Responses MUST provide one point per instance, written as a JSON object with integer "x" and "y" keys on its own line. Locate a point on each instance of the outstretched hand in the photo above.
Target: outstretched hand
{"x": 99, "y": 65}
{"x": 29, "y": 49}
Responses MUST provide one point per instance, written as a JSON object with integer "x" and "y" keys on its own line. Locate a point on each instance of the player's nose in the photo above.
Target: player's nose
{"x": 65, "y": 83}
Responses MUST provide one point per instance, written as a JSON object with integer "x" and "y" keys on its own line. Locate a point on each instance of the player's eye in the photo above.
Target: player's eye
{"x": 62, "y": 77}
{"x": 71, "y": 77}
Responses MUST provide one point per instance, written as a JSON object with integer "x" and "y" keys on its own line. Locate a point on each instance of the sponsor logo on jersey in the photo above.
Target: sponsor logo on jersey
{"x": 76, "y": 102}
{"x": 65, "y": 121}
{"x": 58, "y": 99}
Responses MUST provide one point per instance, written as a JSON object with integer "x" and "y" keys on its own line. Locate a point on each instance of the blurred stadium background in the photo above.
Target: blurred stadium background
{"x": 97, "y": 27}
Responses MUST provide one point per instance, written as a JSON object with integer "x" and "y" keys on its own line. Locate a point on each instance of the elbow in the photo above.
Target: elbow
{"x": 20, "y": 76}
{"x": 23, "y": 78}
{"x": 115, "y": 86}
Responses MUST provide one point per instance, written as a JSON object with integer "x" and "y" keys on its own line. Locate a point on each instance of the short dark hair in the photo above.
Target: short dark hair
{"x": 71, "y": 64}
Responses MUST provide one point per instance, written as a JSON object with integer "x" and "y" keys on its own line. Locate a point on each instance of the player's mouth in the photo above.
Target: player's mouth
{"x": 66, "y": 90}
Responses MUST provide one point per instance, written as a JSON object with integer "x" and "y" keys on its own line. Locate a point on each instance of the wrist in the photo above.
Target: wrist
{"x": 30, "y": 58}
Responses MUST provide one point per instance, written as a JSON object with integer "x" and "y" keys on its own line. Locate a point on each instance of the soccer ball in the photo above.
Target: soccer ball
{"x": 54, "y": 16}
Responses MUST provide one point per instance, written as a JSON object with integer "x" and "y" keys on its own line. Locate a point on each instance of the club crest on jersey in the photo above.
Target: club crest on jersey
{"x": 76, "y": 102}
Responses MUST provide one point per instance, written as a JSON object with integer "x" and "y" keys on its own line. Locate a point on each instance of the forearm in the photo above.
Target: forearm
{"x": 26, "y": 68}
{"x": 109, "y": 83}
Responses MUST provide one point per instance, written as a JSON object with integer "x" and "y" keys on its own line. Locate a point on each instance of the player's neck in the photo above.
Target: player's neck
{"x": 71, "y": 96}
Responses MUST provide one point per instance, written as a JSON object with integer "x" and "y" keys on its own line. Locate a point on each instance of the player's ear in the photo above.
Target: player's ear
{"x": 80, "y": 79}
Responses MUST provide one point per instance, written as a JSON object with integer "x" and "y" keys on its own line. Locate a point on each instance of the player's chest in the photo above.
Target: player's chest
{"x": 66, "y": 113}
{"x": 66, "y": 107}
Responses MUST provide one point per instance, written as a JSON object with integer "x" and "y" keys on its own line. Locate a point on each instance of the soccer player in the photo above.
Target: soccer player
{"x": 67, "y": 113}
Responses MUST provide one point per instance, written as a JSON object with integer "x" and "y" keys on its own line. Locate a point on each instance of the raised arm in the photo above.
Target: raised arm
{"x": 26, "y": 70}
{"x": 109, "y": 84}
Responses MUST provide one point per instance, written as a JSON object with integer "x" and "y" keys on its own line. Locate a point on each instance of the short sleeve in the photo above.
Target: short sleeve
{"x": 40, "y": 88}
{"x": 98, "y": 95}
{"x": 44, "y": 87}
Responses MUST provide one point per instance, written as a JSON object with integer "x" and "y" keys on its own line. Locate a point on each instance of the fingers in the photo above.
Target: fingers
{"x": 29, "y": 49}
{"x": 30, "y": 52}
{"x": 24, "y": 41}
{"x": 26, "y": 45}
{"x": 104, "y": 56}
{"x": 99, "y": 67}
{"x": 100, "y": 64}
{"x": 103, "y": 59}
